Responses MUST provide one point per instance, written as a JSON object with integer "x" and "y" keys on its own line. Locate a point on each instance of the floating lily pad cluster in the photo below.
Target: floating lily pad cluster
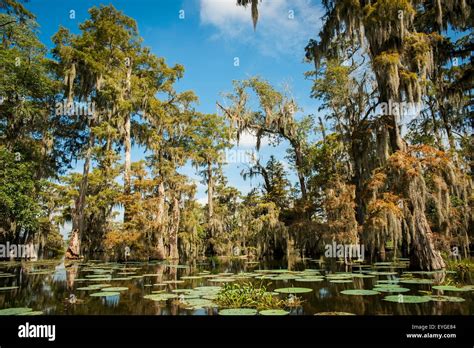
{"x": 197, "y": 289}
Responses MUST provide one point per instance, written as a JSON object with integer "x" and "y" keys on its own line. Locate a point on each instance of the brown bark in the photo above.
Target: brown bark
{"x": 128, "y": 164}
{"x": 423, "y": 254}
{"x": 174, "y": 228}
{"x": 159, "y": 246}
{"x": 74, "y": 248}
{"x": 299, "y": 168}
{"x": 127, "y": 143}
{"x": 78, "y": 223}
{"x": 210, "y": 191}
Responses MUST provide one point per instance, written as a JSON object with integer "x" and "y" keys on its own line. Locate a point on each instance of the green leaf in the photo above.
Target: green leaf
{"x": 293, "y": 290}
{"x": 273, "y": 312}
{"x": 407, "y": 298}
{"x": 238, "y": 311}
{"x": 361, "y": 292}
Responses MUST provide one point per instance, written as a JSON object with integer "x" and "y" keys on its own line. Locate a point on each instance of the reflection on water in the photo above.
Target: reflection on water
{"x": 53, "y": 287}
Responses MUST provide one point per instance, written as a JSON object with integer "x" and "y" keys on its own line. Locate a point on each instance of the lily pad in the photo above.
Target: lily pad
{"x": 309, "y": 279}
{"x": 382, "y": 273}
{"x": 334, "y": 313}
{"x": 451, "y": 288}
{"x": 191, "y": 277}
{"x": 341, "y": 281}
{"x": 198, "y": 303}
{"x": 189, "y": 296}
{"x": 293, "y": 290}
{"x": 361, "y": 292}
{"x": 407, "y": 298}
{"x": 208, "y": 288}
{"x": 238, "y": 311}
{"x": 440, "y": 298}
{"x": 274, "y": 312}
{"x": 33, "y": 313}
{"x": 179, "y": 291}
{"x": 116, "y": 288}
{"x": 105, "y": 294}
{"x": 416, "y": 281}
{"x": 160, "y": 297}
{"x": 15, "y": 311}
{"x": 387, "y": 285}
{"x": 5, "y": 288}
{"x": 394, "y": 289}
{"x": 209, "y": 297}
{"x": 100, "y": 279}
{"x": 222, "y": 280}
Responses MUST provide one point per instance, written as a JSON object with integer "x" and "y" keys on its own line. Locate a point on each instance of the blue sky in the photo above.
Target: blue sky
{"x": 207, "y": 41}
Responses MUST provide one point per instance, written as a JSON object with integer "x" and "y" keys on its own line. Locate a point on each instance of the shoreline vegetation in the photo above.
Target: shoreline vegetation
{"x": 363, "y": 178}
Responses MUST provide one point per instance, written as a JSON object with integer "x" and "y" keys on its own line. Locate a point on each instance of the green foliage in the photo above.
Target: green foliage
{"x": 247, "y": 295}
{"x": 19, "y": 206}
{"x": 358, "y": 180}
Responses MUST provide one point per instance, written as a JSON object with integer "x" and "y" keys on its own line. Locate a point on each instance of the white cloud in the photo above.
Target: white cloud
{"x": 202, "y": 200}
{"x": 276, "y": 32}
{"x": 248, "y": 139}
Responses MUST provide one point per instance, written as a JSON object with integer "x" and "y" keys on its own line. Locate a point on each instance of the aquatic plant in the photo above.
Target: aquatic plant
{"x": 247, "y": 295}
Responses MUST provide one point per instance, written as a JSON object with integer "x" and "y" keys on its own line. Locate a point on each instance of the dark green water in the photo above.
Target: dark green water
{"x": 47, "y": 286}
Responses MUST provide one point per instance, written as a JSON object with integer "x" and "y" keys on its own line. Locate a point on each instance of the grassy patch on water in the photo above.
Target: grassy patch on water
{"x": 247, "y": 295}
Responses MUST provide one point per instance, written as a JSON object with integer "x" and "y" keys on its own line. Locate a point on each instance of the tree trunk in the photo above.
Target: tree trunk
{"x": 360, "y": 173}
{"x": 160, "y": 247}
{"x": 210, "y": 191}
{"x": 423, "y": 254}
{"x": 128, "y": 165}
{"x": 210, "y": 208}
{"x": 447, "y": 127}
{"x": 299, "y": 167}
{"x": 74, "y": 248}
{"x": 128, "y": 138}
{"x": 174, "y": 228}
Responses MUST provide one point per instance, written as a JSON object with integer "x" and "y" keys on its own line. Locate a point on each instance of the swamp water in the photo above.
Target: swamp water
{"x": 98, "y": 288}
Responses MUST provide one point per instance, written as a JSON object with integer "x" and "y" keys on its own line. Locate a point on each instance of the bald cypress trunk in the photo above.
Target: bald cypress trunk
{"x": 128, "y": 164}
{"x": 174, "y": 228}
{"x": 78, "y": 223}
{"x": 159, "y": 246}
{"x": 128, "y": 142}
